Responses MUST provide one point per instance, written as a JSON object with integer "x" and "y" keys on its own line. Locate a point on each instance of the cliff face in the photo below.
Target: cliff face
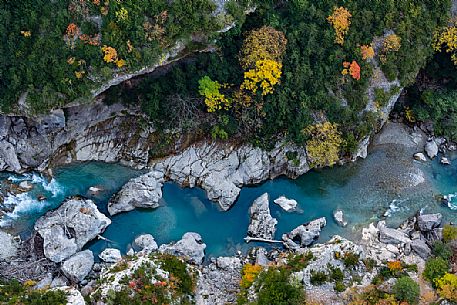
{"x": 80, "y": 133}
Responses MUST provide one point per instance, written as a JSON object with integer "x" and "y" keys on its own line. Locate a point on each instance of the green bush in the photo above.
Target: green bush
{"x": 297, "y": 262}
{"x": 406, "y": 289}
{"x": 336, "y": 274}
{"x": 13, "y": 293}
{"x": 449, "y": 233}
{"x": 178, "y": 269}
{"x": 339, "y": 286}
{"x": 318, "y": 277}
{"x": 442, "y": 250}
{"x": 435, "y": 268}
{"x": 274, "y": 287}
{"x": 350, "y": 259}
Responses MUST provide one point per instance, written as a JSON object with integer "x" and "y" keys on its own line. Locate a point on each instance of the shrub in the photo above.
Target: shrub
{"x": 300, "y": 261}
{"x": 178, "y": 269}
{"x": 405, "y": 289}
{"x": 447, "y": 287}
{"x": 274, "y": 288}
{"x": 435, "y": 268}
{"x": 449, "y": 233}
{"x": 442, "y": 250}
{"x": 339, "y": 286}
{"x": 350, "y": 259}
{"x": 318, "y": 277}
{"x": 336, "y": 274}
{"x": 324, "y": 143}
{"x": 13, "y": 292}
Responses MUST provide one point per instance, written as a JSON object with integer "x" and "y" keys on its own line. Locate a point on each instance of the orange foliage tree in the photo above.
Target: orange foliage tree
{"x": 340, "y": 20}
{"x": 367, "y": 52}
{"x": 353, "y": 69}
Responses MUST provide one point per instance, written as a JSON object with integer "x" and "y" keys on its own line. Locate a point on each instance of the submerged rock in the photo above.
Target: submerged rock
{"x": 286, "y": 204}
{"x": 146, "y": 243}
{"x": 77, "y": 267}
{"x": 191, "y": 247}
{"x": 141, "y": 192}
{"x": 262, "y": 225}
{"x": 339, "y": 218}
{"x": 445, "y": 161}
{"x": 110, "y": 255}
{"x": 68, "y": 228}
{"x": 304, "y": 235}
{"x": 431, "y": 148}
{"x": 428, "y": 222}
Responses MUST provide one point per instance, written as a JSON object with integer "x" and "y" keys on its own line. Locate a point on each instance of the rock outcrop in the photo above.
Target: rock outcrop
{"x": 391, "y": 236}
{"x": 8, "y": 247}
{"x": 110, "y": 255}
{"x": 77, "y": 267}
{"x": 219, "y": 282}
{"x": 141, "y": 192}
{"x": 68, "y": 228}
{"x": 428, "y": 222}
{"x": 431, "y": 148}
{"x": 262, "y": 225}
{"x": 304, "y": 235}
{"x": 221, "y": 170}
{"x": 190, "y": 247}
{"x": 286, "y": 204}
{"x": 146, "y": 243}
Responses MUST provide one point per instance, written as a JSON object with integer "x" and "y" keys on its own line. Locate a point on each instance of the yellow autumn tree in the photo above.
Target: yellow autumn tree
{"x": 249, "y": 274}
{"x": 265, "y": 43}
{"x": 324, "y": 143}
{"x": 367, "y": 52}
{"x": 110, "y": 54}
{"x": 340, "y": 19}
{"x": 392, "y": 43}
{"x": 447, "y": 287}
{"x": 446, "y": 40}
{"x": 265, "y": 75}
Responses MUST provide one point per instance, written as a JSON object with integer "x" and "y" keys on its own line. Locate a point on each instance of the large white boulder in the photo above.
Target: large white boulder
{"x": 286, "y": 204}
{"x": 77, "y": 267}
{"x": 68, "y": 228}
{"x": 191, "y": 247}
{"x": 262, "y": 225}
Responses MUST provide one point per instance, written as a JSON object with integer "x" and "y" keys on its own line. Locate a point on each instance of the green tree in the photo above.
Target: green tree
{"x": 406, "y": 289}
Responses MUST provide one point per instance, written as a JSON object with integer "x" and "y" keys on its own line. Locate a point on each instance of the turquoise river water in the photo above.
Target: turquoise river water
{"x": 356, "y": 188}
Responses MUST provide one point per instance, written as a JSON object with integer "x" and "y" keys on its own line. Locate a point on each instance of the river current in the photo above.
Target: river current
{"x": 366, "y": 191}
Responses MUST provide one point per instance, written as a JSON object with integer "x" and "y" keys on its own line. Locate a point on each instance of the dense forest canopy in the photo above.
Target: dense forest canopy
{"x": 285, "y": 69}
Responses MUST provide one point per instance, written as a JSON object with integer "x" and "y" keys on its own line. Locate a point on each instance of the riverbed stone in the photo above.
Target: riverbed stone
{"x": 286, "y": 204}
{"x": 304, "y": 235}
{"x": 428, "y": 222}
{"x": 146, "y": 243}
{"x": 261, "y": 225}
{"x": 431, "y": 148}
{"x": 77, "y": 267}
{"x": 191, "y": 247}
{"x": 68, "y": 228}
{"x": 141, "y": 192}
{"x": 110, "y": 255}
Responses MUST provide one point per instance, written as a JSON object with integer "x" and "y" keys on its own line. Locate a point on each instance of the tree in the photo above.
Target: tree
{"x": 266, "y": 75}
{"x": 406, "y": 289}
{"x": 340, "y": 20}
{"x": 262, "y": 44}
{"x": 367, "y": 52}
{"x": 214, "y": 99}
{"x": 446, "y": 40}
{"x": 324, "y": 143}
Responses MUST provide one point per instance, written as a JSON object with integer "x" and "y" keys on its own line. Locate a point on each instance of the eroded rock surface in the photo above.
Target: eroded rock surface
{"x": 304, "y": 235}
{"x": 77, "y": 267}
{"x": 190, "y": 247}
{"x": 68, "y": 228}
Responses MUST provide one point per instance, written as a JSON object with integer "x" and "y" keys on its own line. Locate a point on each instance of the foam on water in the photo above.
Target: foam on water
{"x": 452, "y": 205}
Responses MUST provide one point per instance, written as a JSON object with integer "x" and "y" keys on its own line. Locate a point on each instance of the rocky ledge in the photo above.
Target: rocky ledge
{"x": 221, "y": 170}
